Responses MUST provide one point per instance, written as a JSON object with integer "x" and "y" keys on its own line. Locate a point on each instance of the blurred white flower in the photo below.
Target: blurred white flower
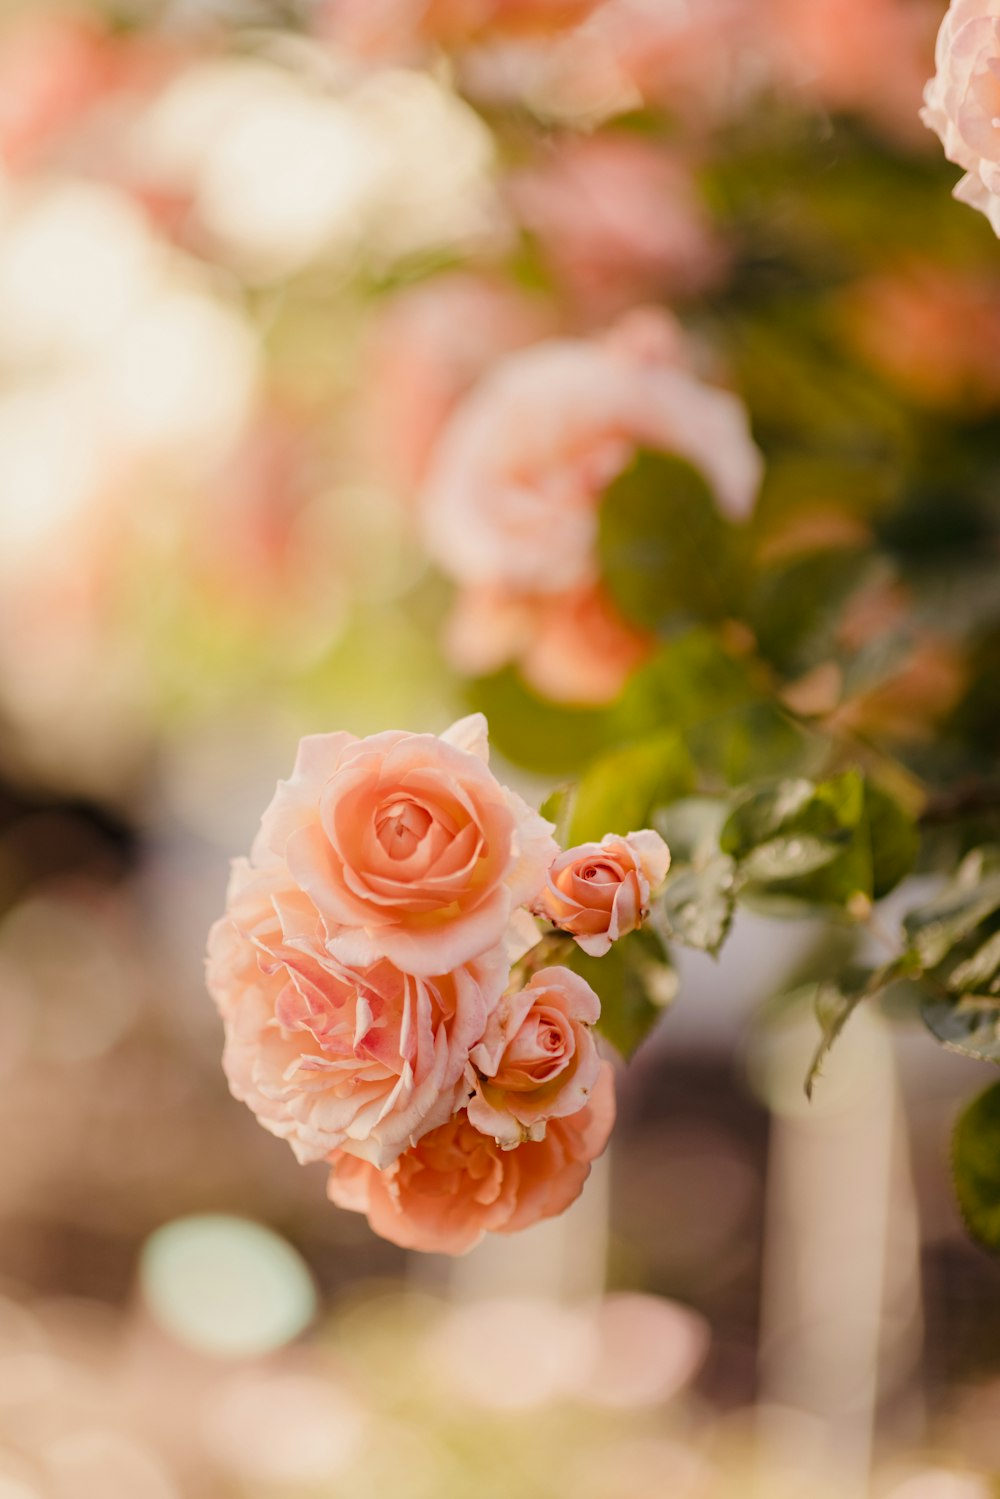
{"x": 283, "y": 171}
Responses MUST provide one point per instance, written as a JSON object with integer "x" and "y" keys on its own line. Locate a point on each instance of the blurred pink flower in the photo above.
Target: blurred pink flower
{"x": 512, "y": 497}
{"x": 52, "y": 67}
{"x": 835, "y": 51}
{"x": 962, "y": 101}
{"x": 456, "y": 1185}
{"x": 699, "y": 59}
{"x": 600, "y": 891}
{"x": 510, "y": 507}
{"x": 428, "y": 347}
{"x": 572, "y": 647}
{"x": 537, "y": 1060}
{"x": 618, "y": 218}
{"x": 404, "y": 846}
{"x": 328, "y": 1056}
{"x": 67, "y": 84}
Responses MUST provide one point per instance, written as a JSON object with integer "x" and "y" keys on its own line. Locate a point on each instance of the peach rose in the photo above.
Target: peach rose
{"x": 962, "y": 101}
{"x": 329, "y": 1057}
{"x": 512, "y": 497}
{"x": 456, "y": 1185}
{"x": 406, "y": 846}
{"x": 600, "y": 891}
{"x": 537, "y": 1060}
{"x": 572, "y": 647}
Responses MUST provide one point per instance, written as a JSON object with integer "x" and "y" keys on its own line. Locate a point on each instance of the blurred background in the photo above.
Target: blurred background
{"x": 252, "y": 255}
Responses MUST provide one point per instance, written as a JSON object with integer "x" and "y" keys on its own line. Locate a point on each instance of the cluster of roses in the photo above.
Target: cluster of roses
{"x": 382, "y": 978}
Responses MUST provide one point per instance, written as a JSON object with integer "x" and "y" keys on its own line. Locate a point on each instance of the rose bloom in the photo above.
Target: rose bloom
{"x": 510, "y": 507}
{"x": 618, "y": 218}
{"x": 327, "y": 1056}
{"x": 572, "y": 647}
{"x": 598, "y": 892}
{"x": 962, "y": 101}
{"x": 512, "y": 497}
{"x": 456, "y": 1185}
{"x": 537, "y": 1060}
{"x": 406, "y": 845}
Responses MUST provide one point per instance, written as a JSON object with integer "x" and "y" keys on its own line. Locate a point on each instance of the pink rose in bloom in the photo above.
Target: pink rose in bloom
{"x": 511, "y": 501}
{"x": 456, "y": 1185}
{"x": 600, "y": 891}
{"x": 618, "y": 218}
{"x": 537, "y": 1060}
{"x": 962, "y": 101}
{"x": 430, "y": 345}
{"x": 330, "y": 1057}
{"x": 572, "y": 647}
{"x": 405, "y": 845}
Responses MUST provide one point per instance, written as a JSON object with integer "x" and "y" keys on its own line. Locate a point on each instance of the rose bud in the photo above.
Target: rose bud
{"x": 600, "y": 891}
{"x": 537, "y": 1060}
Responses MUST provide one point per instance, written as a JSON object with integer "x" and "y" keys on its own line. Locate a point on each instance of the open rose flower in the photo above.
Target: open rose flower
{"x": 510, "y": 508}
{"x": 513, "y": 494}
{"x": 405, "y": 846}
{"x": 330, "y": 1057}
{"x": 456, "y": 1185}
{"x": 600, "y": 891}
{"x": 537, "y": 1060}
{"x": 962, "y": 101}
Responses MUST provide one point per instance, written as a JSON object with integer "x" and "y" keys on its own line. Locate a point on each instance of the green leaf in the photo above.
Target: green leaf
{"x": 820, "y": 844}
{"x": 557, "y": 808}
{"x": 788, "y": 856}
{"x": 895, "y": 841}
{"x": 835, "y": 1001}
{"x": 935, "y": 929}
{"x": 979, "y": 973}
{"x": 756, "y": 740}
{"x": 969, "y": 1024}
{"x": 667, "y": 554}
{"x": 635, "y": 982}
{"x": 696, "y": 906}
{"x": 690, "y": 827}
{"x": 619, "y": 791}
{"x": 761, "y": 815}
{"x": 976, "y": 1166}
{"x": 554, "y": 741}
